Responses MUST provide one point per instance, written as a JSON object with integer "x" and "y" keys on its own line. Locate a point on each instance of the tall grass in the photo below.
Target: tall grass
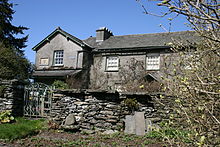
{"x": 21, "y": 128}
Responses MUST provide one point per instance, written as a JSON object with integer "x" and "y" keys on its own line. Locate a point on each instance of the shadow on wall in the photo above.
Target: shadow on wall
{"x": 12, "y": 96}
{"x": 79, "y": 80}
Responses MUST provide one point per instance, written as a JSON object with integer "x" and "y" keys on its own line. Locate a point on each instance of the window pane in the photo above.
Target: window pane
{"x": 153, "y": 62}
{"x": 112, "y": 63}
{"x": 58, "y": 57}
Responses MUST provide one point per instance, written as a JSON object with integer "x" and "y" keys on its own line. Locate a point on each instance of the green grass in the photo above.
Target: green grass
{"x": 20, "y": 129}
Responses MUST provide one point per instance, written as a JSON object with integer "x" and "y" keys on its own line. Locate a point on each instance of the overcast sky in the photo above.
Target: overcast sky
{"x": 81, "y": 18}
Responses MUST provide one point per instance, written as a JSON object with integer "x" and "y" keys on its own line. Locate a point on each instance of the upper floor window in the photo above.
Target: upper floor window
{"x": 58, "y": 57}
{"x": 153, "y": 62}
{"x": 112, "y": 63}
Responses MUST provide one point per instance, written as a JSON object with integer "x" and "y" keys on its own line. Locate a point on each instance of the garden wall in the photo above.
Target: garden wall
{"x": 97, "y": 111}
{"x": 87, "y": 110}
{"x": 11, "y": 96}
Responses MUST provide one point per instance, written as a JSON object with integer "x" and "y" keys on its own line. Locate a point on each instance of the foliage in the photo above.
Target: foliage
{"x": 60, "y": 84}
{"x": 8, "y": 30}
{"x": 20, "y": 129}
{"x": 170, "y": 135}
{"x": 6, "y": 117}
{"x": 13, "y": 65}
{"x": 202, "y": 15}
{"x": 194, "y": 80}
{"x": 195, "y": 86}
{"x": 131, "y": 104}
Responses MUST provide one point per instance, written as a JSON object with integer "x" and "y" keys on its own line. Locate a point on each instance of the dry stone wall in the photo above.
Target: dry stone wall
{"x": 11, "y": 96}
{"x": 92, "y": 112}
{"x": 86, "y": 110}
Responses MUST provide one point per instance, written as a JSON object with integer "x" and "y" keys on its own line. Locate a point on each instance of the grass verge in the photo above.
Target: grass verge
{"x": 20, "y": 129}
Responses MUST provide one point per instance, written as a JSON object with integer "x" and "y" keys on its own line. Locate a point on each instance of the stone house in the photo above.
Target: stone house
{"x": 104, "y": 61}
{"x": 61, "y": 55}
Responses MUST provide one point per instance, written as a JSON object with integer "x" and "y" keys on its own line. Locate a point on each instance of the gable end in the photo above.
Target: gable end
{"x": 67, "y": 35}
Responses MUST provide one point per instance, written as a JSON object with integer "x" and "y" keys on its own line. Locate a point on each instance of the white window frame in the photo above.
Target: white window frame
{"x": 153, "y": 61}
{"x": 58, "y": 57}
{"x": 112, "y": 63}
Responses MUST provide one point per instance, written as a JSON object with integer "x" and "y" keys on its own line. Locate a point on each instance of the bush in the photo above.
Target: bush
{"x": 6, "y": 117}
{"x": 131, "y": 104}
{"x": 60, "y": 84}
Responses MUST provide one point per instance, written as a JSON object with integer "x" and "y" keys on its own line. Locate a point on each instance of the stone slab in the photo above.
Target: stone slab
{"x": 129, "y": 124}
{"x": 139, "y": 123}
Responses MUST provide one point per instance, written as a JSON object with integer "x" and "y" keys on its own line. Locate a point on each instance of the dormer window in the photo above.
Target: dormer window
{"x": 58, "y": 58}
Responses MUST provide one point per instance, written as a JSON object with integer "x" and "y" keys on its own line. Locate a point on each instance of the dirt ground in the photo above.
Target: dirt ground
{"x": 55, "y": 138}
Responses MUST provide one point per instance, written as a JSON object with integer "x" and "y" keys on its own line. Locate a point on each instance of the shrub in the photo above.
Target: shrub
{"x": 60, "y": 84}
{"x": 131, "y": 104}
{"x": 6, "y": 117}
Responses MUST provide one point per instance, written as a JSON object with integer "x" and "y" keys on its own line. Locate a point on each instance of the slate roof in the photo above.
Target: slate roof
{"x": 142, "y": 40}
{"x": 54, "y": 73}
{"x": 59, "y": 30}
{"x": 153, "y": 40}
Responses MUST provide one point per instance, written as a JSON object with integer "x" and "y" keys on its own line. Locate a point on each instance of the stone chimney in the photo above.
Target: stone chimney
{"x": 102, "y": 34}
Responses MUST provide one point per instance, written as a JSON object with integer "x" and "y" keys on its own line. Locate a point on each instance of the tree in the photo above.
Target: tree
{"x": 195, "y": 77}
{"x": 13, "y": 64}
{"x": 203, "y": 15}
{"x": 7, "y": 30}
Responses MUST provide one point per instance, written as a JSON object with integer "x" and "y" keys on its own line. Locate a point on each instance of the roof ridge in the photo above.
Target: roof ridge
{"x": 58, "y": 29}
{"x": 80, "y": 40}
{"x": 142, "y": 34}
{"x": 151, "y": 33}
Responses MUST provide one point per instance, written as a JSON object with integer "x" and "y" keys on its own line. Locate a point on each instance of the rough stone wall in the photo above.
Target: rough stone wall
{"x": 94, "y": 112}
{"x": 110, "y": 80}
{"x": 11, "y": 96}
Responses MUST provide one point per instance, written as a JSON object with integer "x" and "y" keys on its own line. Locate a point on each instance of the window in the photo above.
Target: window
{"x": 44, "y": 61}
{"x": 112, "y": 63}
{"x": 58, "y": 57}
{"x": 153, "y": 62}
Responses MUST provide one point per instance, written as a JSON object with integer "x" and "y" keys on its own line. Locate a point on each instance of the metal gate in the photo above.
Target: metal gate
{"x": 37, "y": 100}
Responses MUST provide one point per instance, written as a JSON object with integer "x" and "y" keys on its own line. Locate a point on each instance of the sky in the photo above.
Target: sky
{"x": 82, "y": 18}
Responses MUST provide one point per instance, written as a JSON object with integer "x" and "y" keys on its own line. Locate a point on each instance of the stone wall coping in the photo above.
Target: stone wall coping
{"x": 141, "y": 93}
{"x": 98, "y": 91}
{"x": 84, "y": 91}
{"x": 13, "y": 81}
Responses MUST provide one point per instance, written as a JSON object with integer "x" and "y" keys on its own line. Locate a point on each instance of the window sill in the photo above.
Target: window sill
{"x": 111, "y": 70}
{"x": 61, "y": 65}
{"x": 152, "y": 69}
